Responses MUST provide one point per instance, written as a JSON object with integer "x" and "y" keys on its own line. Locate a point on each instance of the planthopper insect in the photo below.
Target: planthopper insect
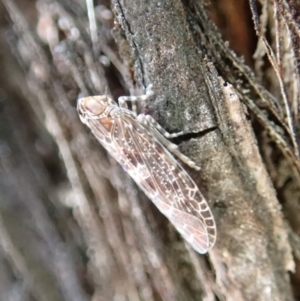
{"x": 141, "y": 147}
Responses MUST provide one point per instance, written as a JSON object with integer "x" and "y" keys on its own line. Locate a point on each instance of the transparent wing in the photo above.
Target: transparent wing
{"x": 160, "y": 176}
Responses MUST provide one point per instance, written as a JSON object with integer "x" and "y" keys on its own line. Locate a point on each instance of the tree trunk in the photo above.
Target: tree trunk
{"x": 74, "y": 225}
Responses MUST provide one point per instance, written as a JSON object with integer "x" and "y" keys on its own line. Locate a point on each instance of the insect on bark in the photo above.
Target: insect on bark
{"x": 140, "y": 146}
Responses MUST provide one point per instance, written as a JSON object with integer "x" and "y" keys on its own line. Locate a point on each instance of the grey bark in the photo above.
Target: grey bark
{"x": 85, "y": 216}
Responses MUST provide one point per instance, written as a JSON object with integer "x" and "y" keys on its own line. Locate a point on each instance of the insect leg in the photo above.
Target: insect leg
{"x": 149, "y": 120}
{"x": 161, "y": 134}
{"x": 123, "y": 99}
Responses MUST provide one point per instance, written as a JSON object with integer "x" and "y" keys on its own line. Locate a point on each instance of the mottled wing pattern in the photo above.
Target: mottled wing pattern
{"x": 159, "y": 175}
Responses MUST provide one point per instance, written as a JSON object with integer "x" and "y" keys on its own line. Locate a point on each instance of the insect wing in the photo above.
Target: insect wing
{"x": 166, "y": 183}
{"x": 160, "y": 176}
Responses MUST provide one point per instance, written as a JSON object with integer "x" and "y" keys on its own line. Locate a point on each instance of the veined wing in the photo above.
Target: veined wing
{"x": 161, "y": 177}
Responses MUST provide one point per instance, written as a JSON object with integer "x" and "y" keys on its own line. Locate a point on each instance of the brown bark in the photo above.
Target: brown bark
{"x": 73, "y": 224}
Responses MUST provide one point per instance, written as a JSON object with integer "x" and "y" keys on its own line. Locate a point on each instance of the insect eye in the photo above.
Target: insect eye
{"x": 94, "y": 106}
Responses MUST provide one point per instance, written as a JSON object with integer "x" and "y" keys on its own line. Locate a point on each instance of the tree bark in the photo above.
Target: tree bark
{"x": 74, "y": 225}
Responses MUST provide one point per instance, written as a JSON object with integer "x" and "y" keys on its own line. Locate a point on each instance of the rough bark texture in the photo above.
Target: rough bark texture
{"x": 73, "y": 225}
